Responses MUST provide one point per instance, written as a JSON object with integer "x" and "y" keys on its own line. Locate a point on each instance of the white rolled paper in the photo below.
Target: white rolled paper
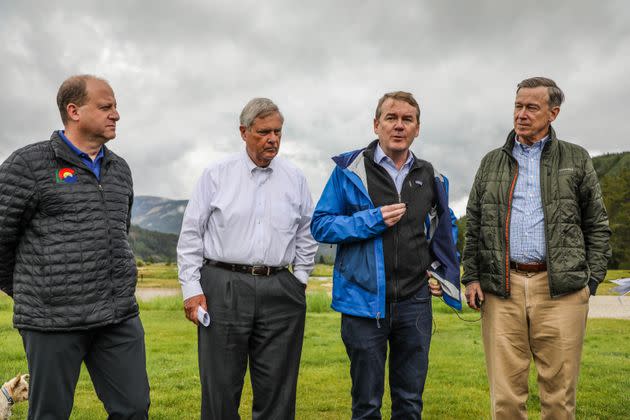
{"x": 203, "y": 316}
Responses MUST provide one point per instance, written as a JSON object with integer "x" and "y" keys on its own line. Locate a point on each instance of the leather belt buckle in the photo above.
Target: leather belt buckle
{"x": 260, "y": 270}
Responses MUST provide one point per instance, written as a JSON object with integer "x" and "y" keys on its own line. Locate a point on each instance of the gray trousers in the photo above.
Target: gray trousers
{"x": 114, "y": 356}
{"x": 257, "y": 319}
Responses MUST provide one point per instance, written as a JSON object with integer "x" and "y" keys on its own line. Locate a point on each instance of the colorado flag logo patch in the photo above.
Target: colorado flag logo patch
{"x": 66, "y": 176}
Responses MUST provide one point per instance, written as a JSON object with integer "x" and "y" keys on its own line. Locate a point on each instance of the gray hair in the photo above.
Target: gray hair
{"x": 556, "y": 96}
{"x": 258, "y": 108}
{"x": 73, "y": 90}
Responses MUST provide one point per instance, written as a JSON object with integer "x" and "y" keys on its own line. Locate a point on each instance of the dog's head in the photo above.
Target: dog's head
{"x": 17, "y": 388}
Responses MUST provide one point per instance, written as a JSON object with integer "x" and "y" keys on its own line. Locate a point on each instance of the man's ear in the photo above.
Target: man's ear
{"x": 73, "y": 112}
{"x": 554, "y": 113}
{"x": 242, "y": 129}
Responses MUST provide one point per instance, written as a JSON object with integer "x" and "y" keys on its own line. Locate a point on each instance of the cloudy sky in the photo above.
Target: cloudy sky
{"x": 182, "y": 71}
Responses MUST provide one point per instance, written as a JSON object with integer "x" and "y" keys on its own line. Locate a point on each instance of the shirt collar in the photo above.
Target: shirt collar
{"x": 78, "y": 151}
{"x": 251, "y": 166}
{"x": 379, "y": 156}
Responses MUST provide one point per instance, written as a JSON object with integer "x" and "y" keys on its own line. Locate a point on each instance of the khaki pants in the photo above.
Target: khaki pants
{"x": 532, "y": 324}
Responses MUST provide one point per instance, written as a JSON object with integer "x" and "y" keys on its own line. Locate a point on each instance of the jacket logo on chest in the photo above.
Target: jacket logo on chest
{"x": 65, "y": 176}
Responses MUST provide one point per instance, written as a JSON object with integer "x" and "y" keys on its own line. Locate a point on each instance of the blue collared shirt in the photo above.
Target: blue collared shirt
{"x": 93, "y": 165}
{"x": 527, "y": 222}
{"x": 398, "y": 176}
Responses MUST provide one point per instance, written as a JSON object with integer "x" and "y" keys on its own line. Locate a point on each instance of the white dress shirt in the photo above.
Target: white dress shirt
{"x": 243, "y": 214}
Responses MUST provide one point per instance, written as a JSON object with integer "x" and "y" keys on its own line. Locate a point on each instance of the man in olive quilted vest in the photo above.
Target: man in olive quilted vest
{"x": 537, "y": 246}
{"x": 65, "y": 211}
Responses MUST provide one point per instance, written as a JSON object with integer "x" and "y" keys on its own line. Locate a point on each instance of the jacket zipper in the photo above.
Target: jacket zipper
{"x": 542, "y": 202}
{"x": 99, "y": 186}
{"x": 109, "y": 239}
{"x": 507, "y": 232}
{"x": 396, "y": 255}
{"x": 395, "y": 271}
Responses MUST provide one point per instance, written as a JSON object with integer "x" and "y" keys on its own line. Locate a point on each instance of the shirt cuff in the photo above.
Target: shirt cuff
{"x": 191, "y": 289}
{"x": 301, "y": 275}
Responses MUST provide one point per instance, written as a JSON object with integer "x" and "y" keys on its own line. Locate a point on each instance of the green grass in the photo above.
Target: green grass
{"x": 160, "y": 275}
{"x": 322, "y": 270}
{"x": 456, "y": 385}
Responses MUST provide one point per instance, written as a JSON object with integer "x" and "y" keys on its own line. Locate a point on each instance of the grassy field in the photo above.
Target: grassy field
{"x": 456, "y": 386}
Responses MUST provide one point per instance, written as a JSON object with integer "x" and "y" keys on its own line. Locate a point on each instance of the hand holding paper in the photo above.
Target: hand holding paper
{"x": 192, "y": 306}
{"x": 203, "y": 317}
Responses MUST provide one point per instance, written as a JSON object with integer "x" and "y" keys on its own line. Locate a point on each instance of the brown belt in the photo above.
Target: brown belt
{"x": 254, "y": 270}
{"x": 531, "y": 267}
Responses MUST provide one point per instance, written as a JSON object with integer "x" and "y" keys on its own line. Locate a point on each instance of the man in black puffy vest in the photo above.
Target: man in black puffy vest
{"x": 65, "y": 209}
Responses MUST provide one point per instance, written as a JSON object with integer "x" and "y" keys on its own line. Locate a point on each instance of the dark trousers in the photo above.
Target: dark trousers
{"x": 258, "y": 319}
{"x": 407, "y": 328}
{"x": 114, "y": 356}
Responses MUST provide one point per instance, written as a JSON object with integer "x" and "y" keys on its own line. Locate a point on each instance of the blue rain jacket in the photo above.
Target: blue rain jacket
{"x": 346, "y": 216}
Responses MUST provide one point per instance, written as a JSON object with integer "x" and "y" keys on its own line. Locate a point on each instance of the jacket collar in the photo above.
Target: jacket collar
{"x": 511, "y": 138}
{"x": 63, "y": 151}
{"x": 346, "y": 159}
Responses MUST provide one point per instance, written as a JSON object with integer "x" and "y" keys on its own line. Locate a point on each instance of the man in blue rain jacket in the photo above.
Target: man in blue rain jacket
{"x": 388, "y": 213}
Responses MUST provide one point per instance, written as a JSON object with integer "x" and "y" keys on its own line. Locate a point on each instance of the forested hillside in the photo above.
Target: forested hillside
{"x": 153, "y": 246}
{"x": 613, "y": 171}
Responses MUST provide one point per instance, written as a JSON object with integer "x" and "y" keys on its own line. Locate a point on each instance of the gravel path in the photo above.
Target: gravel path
{"x": 609, "y": 307}
{"x": 148, "y": 293}
{"x": 600, "y": 306}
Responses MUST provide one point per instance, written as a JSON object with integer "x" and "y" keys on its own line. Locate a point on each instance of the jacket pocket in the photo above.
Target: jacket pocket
{"x": 356, "y": 267}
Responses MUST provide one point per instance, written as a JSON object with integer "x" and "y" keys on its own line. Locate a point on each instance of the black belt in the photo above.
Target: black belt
{"x": 533, "y": 267}
{"x": 254, "y": 270}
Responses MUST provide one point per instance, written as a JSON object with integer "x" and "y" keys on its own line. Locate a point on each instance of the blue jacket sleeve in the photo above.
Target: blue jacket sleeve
{"x": 331, "y": 224}
{"x": 454, "y": 229}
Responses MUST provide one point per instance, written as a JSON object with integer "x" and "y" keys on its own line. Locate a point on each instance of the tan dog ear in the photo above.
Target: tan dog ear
{"x": 13, "y": 383}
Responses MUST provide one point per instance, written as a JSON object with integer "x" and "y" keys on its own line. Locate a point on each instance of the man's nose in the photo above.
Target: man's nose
{"x": 399, "y": 125}
{"x": 115, "y": 115}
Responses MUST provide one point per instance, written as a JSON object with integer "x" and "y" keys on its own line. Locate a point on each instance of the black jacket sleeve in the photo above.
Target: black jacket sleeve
{"x": 17, "y": 190}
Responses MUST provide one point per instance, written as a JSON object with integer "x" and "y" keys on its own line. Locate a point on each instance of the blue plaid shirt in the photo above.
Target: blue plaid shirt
{"x": 527, "y": 222}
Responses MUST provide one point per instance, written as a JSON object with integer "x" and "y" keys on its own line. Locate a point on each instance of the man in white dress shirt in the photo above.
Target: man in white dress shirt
{"x": 247, "y": 220}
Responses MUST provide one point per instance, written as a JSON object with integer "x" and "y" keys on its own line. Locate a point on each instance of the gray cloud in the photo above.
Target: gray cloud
{"x": 183, "y": 70}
